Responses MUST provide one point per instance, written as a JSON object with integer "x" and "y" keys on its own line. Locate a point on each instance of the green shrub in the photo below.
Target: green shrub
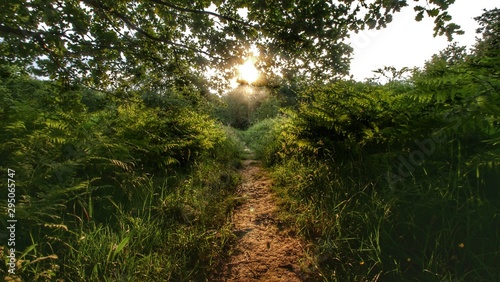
{"x": 124, "y": 191}
{"x": 261, "y": 137}
{"x": 389, "y": 187}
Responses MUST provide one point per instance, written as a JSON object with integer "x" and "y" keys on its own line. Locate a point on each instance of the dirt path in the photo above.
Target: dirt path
{"x": 263, "y": 252}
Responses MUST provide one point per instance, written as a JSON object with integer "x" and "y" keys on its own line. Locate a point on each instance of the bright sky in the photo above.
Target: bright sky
{"x": 408, "y": 43}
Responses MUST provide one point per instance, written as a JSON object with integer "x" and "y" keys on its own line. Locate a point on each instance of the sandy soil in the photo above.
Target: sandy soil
{"x": 263, "y": 252}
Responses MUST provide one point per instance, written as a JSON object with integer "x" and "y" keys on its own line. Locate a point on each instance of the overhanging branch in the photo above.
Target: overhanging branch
{"x": 133, "y": 26}
{"x": 203, "y": 12}
{"x": 18, "y": 32}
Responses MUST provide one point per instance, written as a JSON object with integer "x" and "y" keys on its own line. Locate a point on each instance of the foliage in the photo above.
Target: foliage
{"x": 246, "y": 104}
{"x": 113, "y": 188}
{"x": 136, "y": 181}
{"x": 110, "y": 43}
{"x": 397, "y": 182}
{"x": 268, "y": 108}
{"x": 261, "y": 136}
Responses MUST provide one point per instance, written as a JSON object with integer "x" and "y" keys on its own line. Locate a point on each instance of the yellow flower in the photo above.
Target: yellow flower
{"x": 361, "y": 263}
{"x": 461, "y": 245}
{"x": 408, "y": 259}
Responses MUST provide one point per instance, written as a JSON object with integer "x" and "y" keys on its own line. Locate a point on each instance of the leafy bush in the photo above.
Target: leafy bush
{"x": 120, "y": 191}
{"x": 395, "y": 183}
{"x": 261, "y": 136}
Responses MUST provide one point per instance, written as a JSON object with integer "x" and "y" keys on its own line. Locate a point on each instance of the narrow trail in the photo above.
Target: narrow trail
{"x": 263, "y": 252}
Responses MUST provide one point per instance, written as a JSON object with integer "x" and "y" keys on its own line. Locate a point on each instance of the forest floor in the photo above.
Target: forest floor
{"x": 265, "y": 250}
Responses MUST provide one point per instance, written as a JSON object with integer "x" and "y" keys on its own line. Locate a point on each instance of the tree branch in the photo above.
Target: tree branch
{"x": 135, "y": 27}
{"x": 17, "y": 31}
{"x": 202, "y": 12}
{"x": 37, "y": 36}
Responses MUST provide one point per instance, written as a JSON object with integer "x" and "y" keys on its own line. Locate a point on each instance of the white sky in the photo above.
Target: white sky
{"x": 408, "y": 43}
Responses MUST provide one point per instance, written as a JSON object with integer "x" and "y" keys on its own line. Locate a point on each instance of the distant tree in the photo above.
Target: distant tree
{"x": 487, "y": 48}
{"x": 238, "y": 107}
{"x": 391, "y": 74}
{"x": 466, "y": 85}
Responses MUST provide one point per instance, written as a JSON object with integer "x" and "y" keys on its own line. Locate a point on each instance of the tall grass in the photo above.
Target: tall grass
{"x": 363, "y": 230}
{"x": 439, "y": 224}
{"x": 176, "y": 229}
{"x": 128, "y": 191}
{"x": 175, "y": 235}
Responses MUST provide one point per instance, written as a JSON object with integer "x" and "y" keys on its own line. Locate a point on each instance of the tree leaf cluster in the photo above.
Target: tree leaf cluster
{"x": 108, "y": 43}
{"x": 78, "y": 160}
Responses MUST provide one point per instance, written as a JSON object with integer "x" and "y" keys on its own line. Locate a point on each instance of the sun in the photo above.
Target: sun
{"x": 248, "y": 72}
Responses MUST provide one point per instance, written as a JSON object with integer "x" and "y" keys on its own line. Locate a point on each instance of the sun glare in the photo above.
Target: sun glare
{"x": 248, "y": 72}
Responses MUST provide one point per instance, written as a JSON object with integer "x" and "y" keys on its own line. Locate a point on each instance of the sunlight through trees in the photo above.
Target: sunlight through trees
{"x": 126, "y": 168}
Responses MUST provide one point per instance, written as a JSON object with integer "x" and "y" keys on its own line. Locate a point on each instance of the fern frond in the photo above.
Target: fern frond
{"x": 125, "y": 166}
{"x": 18, "y": 126}
{"x": 62, "y": 126}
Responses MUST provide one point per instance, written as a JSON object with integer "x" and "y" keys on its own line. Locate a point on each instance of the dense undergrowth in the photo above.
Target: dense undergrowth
{"x": 394, "y": 182}
{"x": 112, "y": 188}
{"x": 389, "y": 182}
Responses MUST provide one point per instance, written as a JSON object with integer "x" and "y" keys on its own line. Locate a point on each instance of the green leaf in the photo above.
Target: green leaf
{"x": 371, "y": 23}
{"x": 116, "y": 249}
{"x": 419, "y": 16}
{"x": 433, "y": 12}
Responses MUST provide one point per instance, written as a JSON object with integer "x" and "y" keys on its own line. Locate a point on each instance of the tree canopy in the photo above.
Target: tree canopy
{"x": 105, "y": 43}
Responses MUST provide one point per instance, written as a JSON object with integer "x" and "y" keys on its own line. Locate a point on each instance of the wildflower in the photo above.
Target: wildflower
{"x": 461, "y": 245}
{"x": 361, "y": 263}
